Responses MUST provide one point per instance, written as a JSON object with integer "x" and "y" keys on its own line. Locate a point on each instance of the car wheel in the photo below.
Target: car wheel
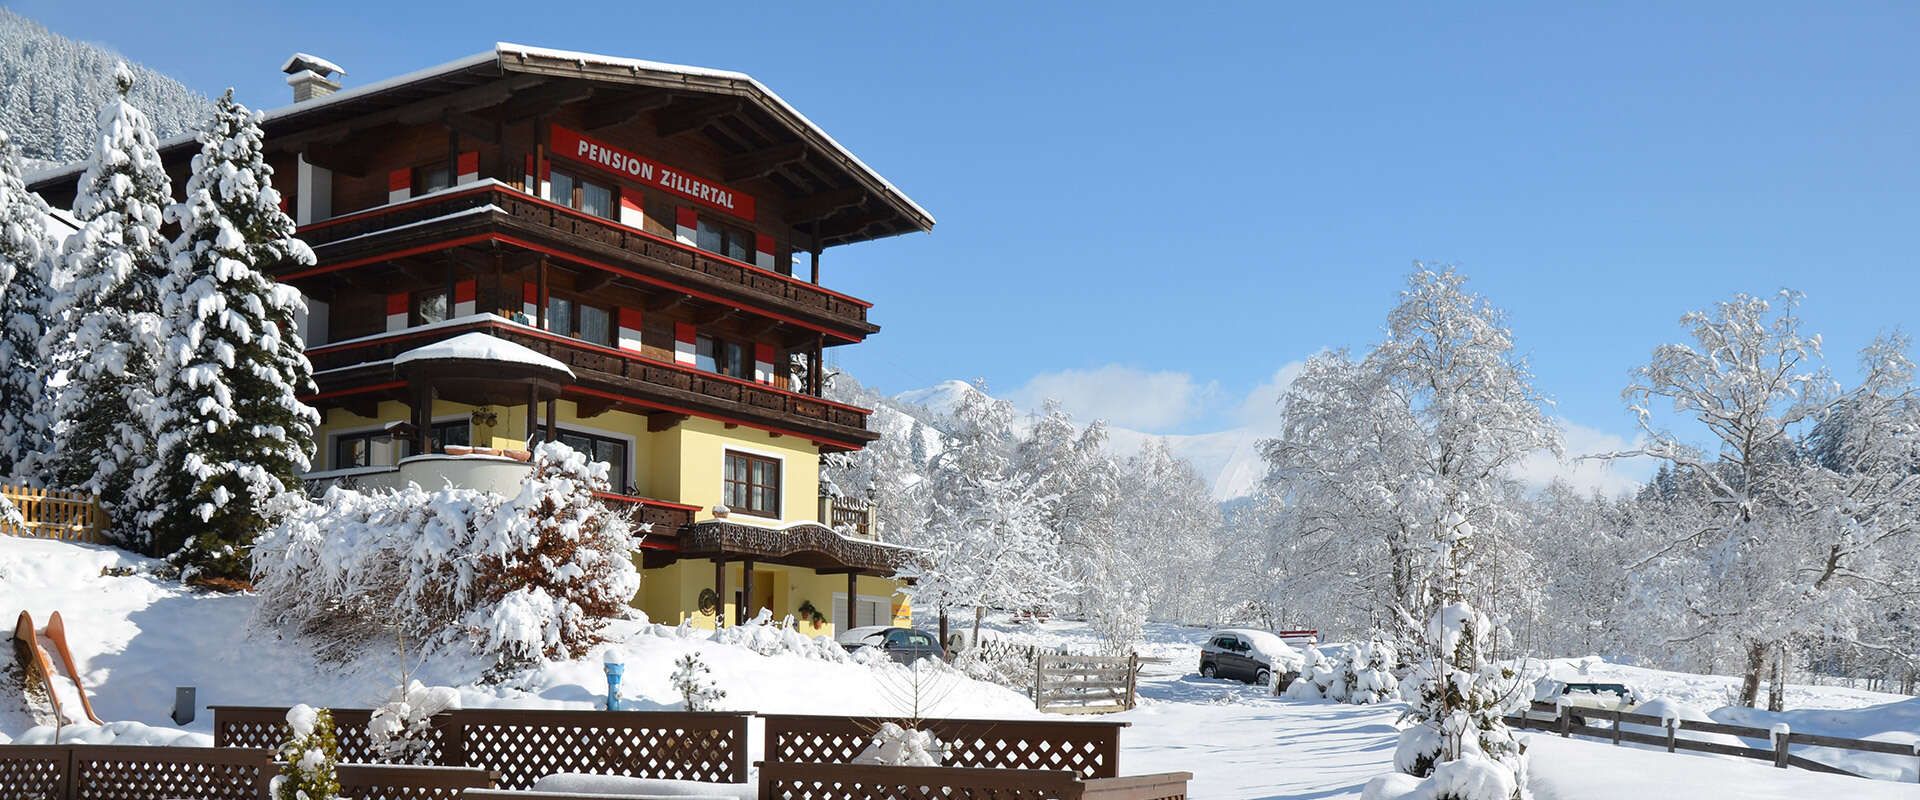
{"x": 1208, "y": 671}
{"x": 1263, "y": 678}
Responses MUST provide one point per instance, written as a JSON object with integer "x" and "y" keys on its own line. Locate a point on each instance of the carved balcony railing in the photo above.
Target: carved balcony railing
{"x": 671, "y": 387}
{"x": 490, "y": 206}
{"x": 852, "y": 516}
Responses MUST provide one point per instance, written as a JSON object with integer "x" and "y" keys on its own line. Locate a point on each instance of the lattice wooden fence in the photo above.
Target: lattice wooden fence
{"x": 868, "y": 782}
{"x": 110, "y": 772}
{"x": 52, "y": 514}
{"x": 1087, "y": 749}
{"x": 521, "y": 746}
{"x": 396, "y": 782}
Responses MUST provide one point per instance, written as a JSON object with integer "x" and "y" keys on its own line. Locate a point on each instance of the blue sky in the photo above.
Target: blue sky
{"x": 1211, "y": 194}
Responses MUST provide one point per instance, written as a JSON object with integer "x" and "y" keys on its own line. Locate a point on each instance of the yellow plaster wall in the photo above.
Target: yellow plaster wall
{"x": 671, "y": 595}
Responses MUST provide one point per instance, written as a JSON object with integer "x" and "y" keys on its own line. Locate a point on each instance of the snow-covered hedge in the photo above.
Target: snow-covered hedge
{"x": 517, "y": 577}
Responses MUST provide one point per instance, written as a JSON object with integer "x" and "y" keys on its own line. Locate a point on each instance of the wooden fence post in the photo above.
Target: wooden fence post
{"x": 1616, "y": 727}
{"x": 1673, "y": 728}
{"x": 1566, "y": 720}
{"x": 1133, "y": 677}
{"x": 1038, "y": 666}
{"x": 1781, "y": 741}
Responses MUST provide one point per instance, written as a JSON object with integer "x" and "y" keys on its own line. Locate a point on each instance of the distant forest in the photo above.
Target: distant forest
{"x": 51, "y": 87}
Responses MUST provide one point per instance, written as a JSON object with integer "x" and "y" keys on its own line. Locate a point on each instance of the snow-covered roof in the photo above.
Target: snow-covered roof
{"x": 500, "y": 54}
{"x": 480, "y": 347}
{"x": 299, "y": 62}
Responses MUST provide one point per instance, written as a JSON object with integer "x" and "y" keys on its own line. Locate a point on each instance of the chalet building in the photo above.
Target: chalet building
{"x": 623, "y": 255}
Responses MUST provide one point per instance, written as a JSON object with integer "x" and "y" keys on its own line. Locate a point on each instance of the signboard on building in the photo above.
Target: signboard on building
{"x": 572, "y": 144}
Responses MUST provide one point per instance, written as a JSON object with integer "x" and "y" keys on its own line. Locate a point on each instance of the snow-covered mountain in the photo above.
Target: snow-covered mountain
{"x": 52, "y": 86}
{"x": 1229, "y": 459}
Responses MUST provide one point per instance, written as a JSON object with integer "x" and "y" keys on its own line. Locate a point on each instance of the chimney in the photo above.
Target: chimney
{"x": 311, "y": 76}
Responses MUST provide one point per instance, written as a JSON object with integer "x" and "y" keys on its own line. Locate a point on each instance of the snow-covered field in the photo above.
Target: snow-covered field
{"x": 137, "y": 638}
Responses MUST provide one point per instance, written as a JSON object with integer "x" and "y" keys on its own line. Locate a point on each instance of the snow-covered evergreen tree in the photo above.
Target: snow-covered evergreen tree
{"x": 230, "y": 433}
{"x": 693, "y": 679}
{"x": 307, "y": 757}
{"x": 27, "y": 253}
{"x": 106, "y": 319}
{"x": 50, "y": 85}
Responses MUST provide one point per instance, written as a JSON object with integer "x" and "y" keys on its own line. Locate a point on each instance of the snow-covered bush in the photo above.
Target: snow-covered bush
{"x": 515, "y": 578}
{"x": 768, "y": 638}
{"x": 400, "y": 728}
{"x": 895, "y": 746}
{"x": 307, "y": 757}
{"x": 1371, "y": 668}
{"x": 691, "y": 678}
{"x": 1323, "y": 677}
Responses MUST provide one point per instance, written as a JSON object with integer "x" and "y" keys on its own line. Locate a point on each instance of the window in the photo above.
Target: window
{"x": 727, "y": 240}
{"x": 575, "y": 192}
{"x": 430, "y": 179}
{"x": 369, "y": 449}
{"x": 752, "y": 484}
{"x": 722, "y": 356}
{"x": 578, "y": 320}
{"x": 602, "y": 448}
{"x": 453, "y": 432}
{"x": 429, "y": 307}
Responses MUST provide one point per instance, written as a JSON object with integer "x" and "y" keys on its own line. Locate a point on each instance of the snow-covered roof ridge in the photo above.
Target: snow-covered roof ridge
{"x": 505, "y": 48}
{"x": 308, "y": 61}
{"x": 480, "y": 347}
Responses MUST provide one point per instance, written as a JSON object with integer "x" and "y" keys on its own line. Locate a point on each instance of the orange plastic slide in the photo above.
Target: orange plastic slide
{"x": 23, "y": 631}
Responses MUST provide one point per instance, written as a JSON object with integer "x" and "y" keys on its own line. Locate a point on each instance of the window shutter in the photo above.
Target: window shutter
{"x": 629, "y": 335}
{"x": 397, "y": 311}
{"x": 466, "y": 296}
{"x": 685, "y": 335}
{"x": 468, "y": 167}
{"x": 530, "y": 302}
{"x": 399, "y": 185}
{"x": 763, "y": 251}
{"x": 763, "y": 362}
{"x": 686, "y": 226}
{"x": 630, "y": 213}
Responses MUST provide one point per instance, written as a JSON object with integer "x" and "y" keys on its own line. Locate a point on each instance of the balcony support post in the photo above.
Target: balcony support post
{"x": 719, "y": 593}
{"x": 422, "y": 416}
{"x": 853, "y": 589}
{"x": 540, "y": 311}
{"x": 551, "y": 406}
{"x": 746, "y": 592}
{"x": 533, "y": 406}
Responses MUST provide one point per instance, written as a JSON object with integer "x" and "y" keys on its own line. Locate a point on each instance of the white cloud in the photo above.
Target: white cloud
{"x": 1121, "y": 395}
{"x": 1261, "y": 410}
{"x": 1610, "y": 477}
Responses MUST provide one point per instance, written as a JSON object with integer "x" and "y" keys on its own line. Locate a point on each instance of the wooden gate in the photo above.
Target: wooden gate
{"x": 1070, "y": 684}
{"x": 52, "y": 514}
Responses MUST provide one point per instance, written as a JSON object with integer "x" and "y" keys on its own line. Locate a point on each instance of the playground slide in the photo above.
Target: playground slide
{"x": 57, "y": 633}
{"x": 26, "y": 642}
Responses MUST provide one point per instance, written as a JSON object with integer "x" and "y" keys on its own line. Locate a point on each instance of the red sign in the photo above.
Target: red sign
{"x": 572, "y": 144}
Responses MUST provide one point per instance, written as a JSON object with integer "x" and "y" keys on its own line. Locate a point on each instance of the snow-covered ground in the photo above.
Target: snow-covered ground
{"x": 137, "y": 638}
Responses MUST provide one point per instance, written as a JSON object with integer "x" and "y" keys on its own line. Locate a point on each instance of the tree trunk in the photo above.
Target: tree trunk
{"x": 1777, "y": 686}
{"x": 943, "y": 626}
{"x": 978, "y": 613}
{"x": 1750, "y": 679}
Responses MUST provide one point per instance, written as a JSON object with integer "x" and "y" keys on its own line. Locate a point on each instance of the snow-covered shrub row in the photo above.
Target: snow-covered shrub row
{"x": 518, "y": 578}
{"x": 768, "y": 638}
{"x": 1360, "y": 674}
{"x": 120, "y": 733}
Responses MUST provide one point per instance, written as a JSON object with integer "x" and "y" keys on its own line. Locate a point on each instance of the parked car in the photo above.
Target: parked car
{"x": 1578, "y": 695}
{"x": 1249, "y": 655}
{"x": 904, "y": 645}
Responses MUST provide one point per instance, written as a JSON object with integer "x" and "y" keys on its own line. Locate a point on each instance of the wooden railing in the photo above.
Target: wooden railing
{"x": 73, "y": 772}
{"x": 663, "y": 518}
{"x": 1071, "y": 684}
{"x": 1087, "y": 749}
{"x": 659, "y": 255}
{"x": 52, "y": 514}
{"x": 620, "y": 368}
{"x": 781, "y": 781}
{"x": 849, "y": 515}
{"x": 1577, "y": 721}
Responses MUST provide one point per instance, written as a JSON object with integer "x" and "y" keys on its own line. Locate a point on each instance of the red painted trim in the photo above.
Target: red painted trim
{"x": 628, "y": 203}
{"x": 601, "y": 220}
{"x": 377, "y": 387}
{"x": 396, "y": 303}
{"x": 529, "y": 170}
{"x": 686, "y": 217}
{"x": 686, "y": 332}
{"x": 468, "y": 163}
{"x": 763, "y": 243}
{"x": 705, "y": 415}
{"x": 399, "y": 179}
{"x": 647, "y": 543}
{"x": 530, "y": 292}
{"x": 630, "y": 318}
{"x": 763, "y": 352}
{"x": 467, "y": 291}
{"x": 646, "y": 501}
{"x": 573, "y": 146}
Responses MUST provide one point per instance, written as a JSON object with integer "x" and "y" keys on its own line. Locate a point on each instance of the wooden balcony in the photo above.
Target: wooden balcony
{"x": 852, "y": 516}
{"x": 663, "y": 519}
{"x": 605, "y": 377}
{"x": 493, "y": 211}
